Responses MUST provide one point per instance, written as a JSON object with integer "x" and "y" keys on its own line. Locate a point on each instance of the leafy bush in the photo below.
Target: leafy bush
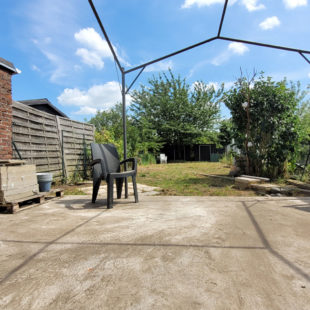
{"x": 147, "y": 159}
{"x": 227, "y": 159}
{"x": 264, "y": 124}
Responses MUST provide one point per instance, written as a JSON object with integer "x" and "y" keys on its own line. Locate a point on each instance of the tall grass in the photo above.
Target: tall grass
{"x": 227, "y": 159}
{"x": 147, "y": 159}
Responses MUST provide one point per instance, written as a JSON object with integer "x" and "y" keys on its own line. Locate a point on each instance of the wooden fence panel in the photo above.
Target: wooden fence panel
{"x": 76, "y": 139}
{"x": 54, "y": 144}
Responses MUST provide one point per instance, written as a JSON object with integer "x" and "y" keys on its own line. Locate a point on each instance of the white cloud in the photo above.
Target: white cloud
{"x": 35, "y": 68}
{"x": 215, "y": 85}
{"x": 221, "y": 58}
{"x": 90, "y": 58}
{"x": 292, "y": 4}
{"x": 159, "y": 66}
{"x": 200, "y": 3}
{"x": 309, "y": 74}
{"x": 253, "y": 5}
{"x": 92, "y": 39}
{"x": 49, "y": 25}
{"x": 58, "y": 64}
{"x": 57, "y": 68}
{"x": 77, "y": 68}
{"x": 86, "y": 111}
{"x": 234, "y": 48}
{"x": 238, "y": 48}
{"x": 270, "y": 23}
{"x": 98, "y": 97}
{"x": 95, "y": 48}
{"x": 229, "y": 84}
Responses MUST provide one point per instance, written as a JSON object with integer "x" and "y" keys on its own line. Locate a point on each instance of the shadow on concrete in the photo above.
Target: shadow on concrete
{"x": 268, "y": 247}
{"x": 46, "y": 245}
{"x": 265, "y": 242}
{"x": 82, "y": 204}
{"x": 301, "y": 207}
{"x": 104, "y": 244}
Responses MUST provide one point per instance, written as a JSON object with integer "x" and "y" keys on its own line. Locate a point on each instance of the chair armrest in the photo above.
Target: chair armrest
{"x": 96, "y": 161}
{"x": 132, "y": 160}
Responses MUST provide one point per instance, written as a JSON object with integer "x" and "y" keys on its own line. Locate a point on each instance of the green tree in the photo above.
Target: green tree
{"x": 265, "y": 123}
{"x": 173, "y": 113}
{"x": 304, "y": 130}
{"x": 225, "y": 132}
{"x": 109, "y": 129}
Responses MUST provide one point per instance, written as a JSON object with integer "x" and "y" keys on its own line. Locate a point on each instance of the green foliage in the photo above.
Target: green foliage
{"x": 147, "y": 159}
{"x": 165, "y": 112}
{"x": 306, "y": 176}
{"x": 304, "y": 128}
{"x": 304, "y": 115}
{"x": 189, "y": 179}
{"x": 225, "y": 132}
{"x": 75, "y": 177}
{"x": 106, "y": 136}
{"x": 227, "y": 159}
{"x": 74, "y": 191}
{"x": 109, "y": 129}
{"x": 168, "y": 111}
{"x": 266, "y": 131}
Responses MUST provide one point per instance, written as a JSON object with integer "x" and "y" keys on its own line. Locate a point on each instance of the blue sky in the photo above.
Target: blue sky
{"x": 58, "y": 47}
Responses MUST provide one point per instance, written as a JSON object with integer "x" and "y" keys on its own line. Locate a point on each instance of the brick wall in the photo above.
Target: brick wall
{"x": 5, "y": 114}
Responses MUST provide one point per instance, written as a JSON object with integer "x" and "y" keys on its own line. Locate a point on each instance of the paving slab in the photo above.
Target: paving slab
{"x": 162, "y": 253}
{"x": 142, "y": 190}
{"x": 245, "y": 182}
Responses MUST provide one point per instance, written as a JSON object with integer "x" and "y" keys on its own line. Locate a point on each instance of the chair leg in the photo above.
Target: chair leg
{"x": 126, "y": 188}
{"x": 135, "y": 190}
{"x": 110, "y": 182}
{"x": 96, "y": 185}
{"x": 119, "y": 187}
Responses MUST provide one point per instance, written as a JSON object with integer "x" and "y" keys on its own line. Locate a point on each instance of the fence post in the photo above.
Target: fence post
{"x": 84, "y": 158}
{"x": 61, "y": 142}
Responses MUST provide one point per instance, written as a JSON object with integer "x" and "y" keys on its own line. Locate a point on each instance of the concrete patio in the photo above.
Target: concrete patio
{"x": 162, "y": 253}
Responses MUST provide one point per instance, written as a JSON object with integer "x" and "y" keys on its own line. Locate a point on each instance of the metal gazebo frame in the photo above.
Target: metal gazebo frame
{"x": 141, "y": 67}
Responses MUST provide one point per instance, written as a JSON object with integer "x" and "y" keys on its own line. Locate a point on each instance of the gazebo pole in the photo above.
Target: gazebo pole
{"x": 124, "y": 126}
{"x": 143, "y": 66}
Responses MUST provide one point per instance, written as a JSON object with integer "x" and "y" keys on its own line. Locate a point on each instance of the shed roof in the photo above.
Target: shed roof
{"x": 35, "y": 103}
{"x": 7, "y": 65}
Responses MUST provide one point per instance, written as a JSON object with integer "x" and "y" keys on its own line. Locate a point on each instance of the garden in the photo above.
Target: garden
{"x": 265, "y": 134}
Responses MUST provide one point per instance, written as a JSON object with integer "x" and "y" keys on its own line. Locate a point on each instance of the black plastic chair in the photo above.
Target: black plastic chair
{"x": 107, "y": 166}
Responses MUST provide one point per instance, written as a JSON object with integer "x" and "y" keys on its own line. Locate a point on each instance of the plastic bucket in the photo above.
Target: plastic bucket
{"x": 45, "y": 181}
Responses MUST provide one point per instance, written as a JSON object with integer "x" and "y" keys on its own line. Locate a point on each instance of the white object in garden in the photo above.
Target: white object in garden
{"x": 162, "y": 159}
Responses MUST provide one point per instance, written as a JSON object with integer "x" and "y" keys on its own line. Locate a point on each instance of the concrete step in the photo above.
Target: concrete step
{"x": 254, "y": 177}
{"x": 299, "y": 184}
{"x": 245, "y": 182}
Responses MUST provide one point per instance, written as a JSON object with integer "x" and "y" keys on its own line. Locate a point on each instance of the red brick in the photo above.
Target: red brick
{"x": 5, "y": 115}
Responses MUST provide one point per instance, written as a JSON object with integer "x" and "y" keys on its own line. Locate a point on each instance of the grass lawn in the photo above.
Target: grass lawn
{"x": 187, "y": 179}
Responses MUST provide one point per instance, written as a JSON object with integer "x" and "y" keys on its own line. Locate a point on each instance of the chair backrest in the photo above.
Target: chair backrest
{"x": 109, "y": 159}
{"x": 162, "y": 156}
